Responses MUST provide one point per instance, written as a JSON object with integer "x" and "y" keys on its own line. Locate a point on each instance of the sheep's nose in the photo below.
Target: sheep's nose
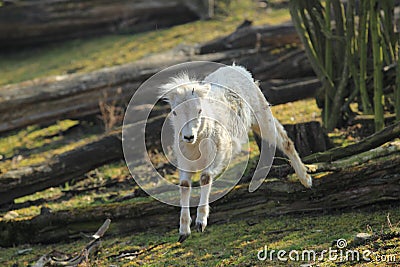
{"x": 188, "y": 139}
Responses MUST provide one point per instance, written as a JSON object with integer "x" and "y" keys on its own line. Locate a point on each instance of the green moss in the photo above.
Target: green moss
{"x": 33, "y": 137}
{"x": 34, "y": 144}
{"x": 113, "y": 171}
{"x": 48, "y": 194}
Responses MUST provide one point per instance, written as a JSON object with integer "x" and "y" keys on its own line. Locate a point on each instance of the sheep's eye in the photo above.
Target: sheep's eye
{"x": 173, "y": 112}
{"x": 200, "y": 111}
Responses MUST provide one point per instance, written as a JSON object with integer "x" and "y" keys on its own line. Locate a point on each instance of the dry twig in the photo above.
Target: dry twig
{"x": 50, "y": 259}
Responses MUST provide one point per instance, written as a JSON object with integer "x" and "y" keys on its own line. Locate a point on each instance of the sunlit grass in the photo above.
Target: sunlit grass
{"x": 297, "y": 112}
{"x": 49, "y": 193}
{"x": 232, "y": 243}
{"x": 34, "y": 144}
{"x": 33, "y": 137}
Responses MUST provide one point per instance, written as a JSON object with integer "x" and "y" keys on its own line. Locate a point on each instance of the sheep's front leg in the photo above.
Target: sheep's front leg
{"x": 203, "y": 208}
{"x": 185, "y": 220}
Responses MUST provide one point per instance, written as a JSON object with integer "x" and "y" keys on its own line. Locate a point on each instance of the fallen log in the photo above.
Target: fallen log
{"x": 370, "y": 142}
{"x": 27, "y": 23}
{"x": 70, "y": 166}
{"x": 60, "y": 169}
{"x": 78, "y": 95}
{"x": 359, "y": 184}
{"x": 280, "y": 92}
{"x": 293, "y": 64}
{"x": 355, "y": 160}
{"x": 253, "y": 36}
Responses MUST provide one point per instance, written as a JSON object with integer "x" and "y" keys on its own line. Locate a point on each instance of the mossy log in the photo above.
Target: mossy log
{"x": 27, "y": 23}
{"x": 359, "y": 184}
{"x": 79, "y": 95}
{"x": 372, "y": 141}
{"x": 69, "y": 165}
{"x": 60, "y": 169}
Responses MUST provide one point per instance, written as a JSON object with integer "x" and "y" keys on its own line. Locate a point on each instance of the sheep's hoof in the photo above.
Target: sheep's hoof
{"x": 183, "y": 237}
{"x": 200, "y": 227}
{"x": 307, "y": 181}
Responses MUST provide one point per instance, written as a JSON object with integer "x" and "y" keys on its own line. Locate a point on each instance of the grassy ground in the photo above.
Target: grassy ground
{"x": 237, "y": 243}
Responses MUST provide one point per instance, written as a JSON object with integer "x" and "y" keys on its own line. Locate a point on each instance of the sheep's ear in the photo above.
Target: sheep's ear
{"x": 165, "y": 92}
{"x": 204, "y": 89}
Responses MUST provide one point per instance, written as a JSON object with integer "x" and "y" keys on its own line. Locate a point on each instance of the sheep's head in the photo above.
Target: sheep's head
{"x": 185, "y": 98}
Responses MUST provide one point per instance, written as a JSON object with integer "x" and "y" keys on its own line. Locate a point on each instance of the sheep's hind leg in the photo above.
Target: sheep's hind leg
{"x": 286, "y": 145}
{"x": 185, "y": 220}
{"x": 203, "y": 208}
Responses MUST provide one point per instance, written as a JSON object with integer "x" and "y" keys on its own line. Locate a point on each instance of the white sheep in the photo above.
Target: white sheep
{"x": 220, "y": 108}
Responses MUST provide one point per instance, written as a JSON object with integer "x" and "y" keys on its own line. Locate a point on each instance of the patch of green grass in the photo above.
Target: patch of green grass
{"x": 34, "y": 144}
{"x": 85, "y": 55}
{"x": 58, "y": 198}
{"x": 113, "y": 170}
{"x": 297, "y": 112}
{"x": 234, "y": 243}
{"x": 52, "y": 192}
{"x": 341, "y": 138}
{"x": 33, "y": 137}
